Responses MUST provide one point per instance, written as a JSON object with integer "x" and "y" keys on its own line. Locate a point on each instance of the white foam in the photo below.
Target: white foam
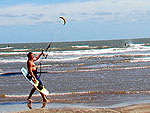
{"x": 17, "y": 53}
{"x": 6, "y": 48}
{"x": 12, "y": 53}
{"x": 101, "y": 51}
{"x": 80, "y": 46}
{"x": 132, "y": 47}
{"x": 61, "y": 59}
{"x": 21, "y": 49}
{"x": 77, "y": 54}
{"x": 12, "y": 60}
{"x": 20, "y": 96}
{"x": 81, "y": 93}
{"x": 147, "y": 59}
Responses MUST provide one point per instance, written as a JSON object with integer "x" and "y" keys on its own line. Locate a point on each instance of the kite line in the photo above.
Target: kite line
{"x": 48, "y": 48}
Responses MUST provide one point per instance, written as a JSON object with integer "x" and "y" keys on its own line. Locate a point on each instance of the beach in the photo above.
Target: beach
{"x": 61, "y": 104}
{"x": 140, "y": 108}
{"x": 55, "y": 106}
{"x": 144, "y": 108}
{"x": 103, "y": 75}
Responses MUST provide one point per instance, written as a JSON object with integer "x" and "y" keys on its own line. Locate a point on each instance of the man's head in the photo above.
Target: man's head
{"x": 30, "y": 55}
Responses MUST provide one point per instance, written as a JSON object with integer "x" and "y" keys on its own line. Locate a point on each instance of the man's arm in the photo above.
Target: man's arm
{"x": 37, "y": 57}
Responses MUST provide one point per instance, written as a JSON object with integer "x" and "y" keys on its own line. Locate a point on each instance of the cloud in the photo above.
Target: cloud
{"x": 103, "y": 13}
{"x": 36, "y": 16}
{"x": 92, "y": 10}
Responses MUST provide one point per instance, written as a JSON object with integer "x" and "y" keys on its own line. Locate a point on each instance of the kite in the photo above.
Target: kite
{"x": 63, "y": 19}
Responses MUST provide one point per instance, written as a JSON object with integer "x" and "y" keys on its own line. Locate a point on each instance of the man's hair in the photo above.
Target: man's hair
{"x": 29, "y": 54}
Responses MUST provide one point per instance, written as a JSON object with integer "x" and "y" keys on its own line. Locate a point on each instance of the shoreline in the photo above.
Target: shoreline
{"x": 137, "y": 108}
{"x": 15, "y": 104}
{"x": 35, "y": 107}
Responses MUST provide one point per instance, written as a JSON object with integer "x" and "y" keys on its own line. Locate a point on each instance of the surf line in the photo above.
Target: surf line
{"x": 98, "y": 92}
{"x": 78, "y": 93}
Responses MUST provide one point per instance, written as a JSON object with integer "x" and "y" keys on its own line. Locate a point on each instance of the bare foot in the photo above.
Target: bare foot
{"x": 29, "y": 105}
{"x": 44, "y": 104}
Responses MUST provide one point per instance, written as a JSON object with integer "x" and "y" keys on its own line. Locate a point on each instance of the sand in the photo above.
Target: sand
{"x": 139, "y": 108}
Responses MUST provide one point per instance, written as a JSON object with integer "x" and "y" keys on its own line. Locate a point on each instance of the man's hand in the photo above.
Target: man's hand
{"x": 45, "y": 55}
{"x": 35, "y": 81}
{"x": 42, "y": 51}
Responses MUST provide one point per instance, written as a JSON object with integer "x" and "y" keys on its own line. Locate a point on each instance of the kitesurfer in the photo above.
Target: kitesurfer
{"x": 32, "y": 72}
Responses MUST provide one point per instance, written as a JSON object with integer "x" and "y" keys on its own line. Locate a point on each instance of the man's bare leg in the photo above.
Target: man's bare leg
{"x": 44, "y": 97}
{"x": 31, "y": 93}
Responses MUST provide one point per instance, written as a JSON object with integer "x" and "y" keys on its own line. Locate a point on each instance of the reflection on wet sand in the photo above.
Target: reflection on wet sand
{"x": 29, "y": 104}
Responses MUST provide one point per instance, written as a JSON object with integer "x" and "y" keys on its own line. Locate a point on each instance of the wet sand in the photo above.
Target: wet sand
{"x": 61, "y": 105}
{"x": 138, "y": 108}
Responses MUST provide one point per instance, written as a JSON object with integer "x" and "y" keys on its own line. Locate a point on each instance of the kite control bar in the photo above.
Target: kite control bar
{"x": 46, "y": 49}
{"x": 45, "y": 56}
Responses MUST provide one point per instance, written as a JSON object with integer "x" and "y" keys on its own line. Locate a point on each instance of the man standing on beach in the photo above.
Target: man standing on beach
{"x": 32, "y": 72}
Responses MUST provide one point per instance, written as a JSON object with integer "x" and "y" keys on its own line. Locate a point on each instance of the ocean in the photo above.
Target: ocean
{"x": 102, "y": 73}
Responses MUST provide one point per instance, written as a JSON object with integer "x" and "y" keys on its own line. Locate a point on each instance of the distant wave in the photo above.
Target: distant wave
{"x": 80, "y": 46}
{"x": 99, "y": 51}
{"x": 17, "y": 52}
{"x": 119, "y": 55}
{"x": 136, "y": 47}
{"x": 141, "y": 59}
{"x": 4, "y": 48}
{"x": 21, "y": 49}
{"x": 12, "y": 53}
{"x": 12, "y": 60}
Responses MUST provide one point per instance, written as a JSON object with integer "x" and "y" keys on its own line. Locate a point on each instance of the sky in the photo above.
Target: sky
{"x": 29, "y": 21}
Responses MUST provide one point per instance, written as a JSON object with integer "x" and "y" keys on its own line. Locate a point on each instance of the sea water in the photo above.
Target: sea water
{"x": 93, "y": 73}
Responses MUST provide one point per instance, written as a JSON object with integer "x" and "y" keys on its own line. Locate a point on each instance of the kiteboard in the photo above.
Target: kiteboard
{"x": 42, "y": 89}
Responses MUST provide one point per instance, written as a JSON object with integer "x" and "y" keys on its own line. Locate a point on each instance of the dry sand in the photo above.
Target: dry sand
{"x": 139, "y": 108}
